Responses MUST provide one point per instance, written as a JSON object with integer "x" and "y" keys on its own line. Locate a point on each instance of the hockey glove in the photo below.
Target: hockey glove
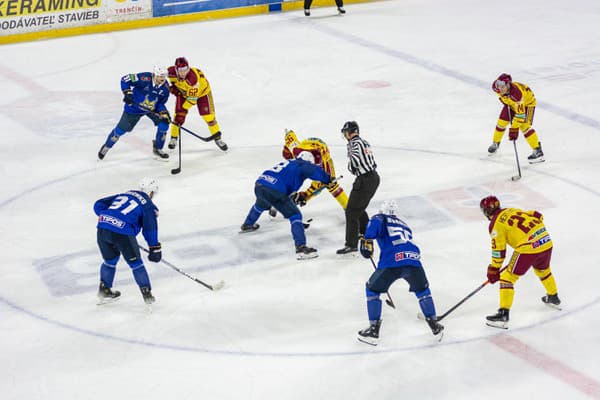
{"x": 493, "y": 274}
{"x": 299, "y": 198}
{"x": 513, "y": 133}
{"x": 366, "y": 247}
{"x": 128, "y": 96}
{"x": 155, "y": 253}
{"x": 164, "y": 116}
{"x": 179, "y": 119}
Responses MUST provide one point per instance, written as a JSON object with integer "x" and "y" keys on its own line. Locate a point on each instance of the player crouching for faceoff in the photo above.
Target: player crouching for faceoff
{"x": 191, "y": 88}
{"x": 399, "y": 258}
{"x": 273, "y": 189}
{"x": 320, "y": 152}
{"x": 120, "y": 219}
{"x": 518, "y": 108}
{"x": 525, "y": 232}
{"x": 143, "y": 94}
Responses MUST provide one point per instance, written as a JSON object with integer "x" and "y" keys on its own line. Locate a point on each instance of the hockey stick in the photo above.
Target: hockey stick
{"x": 216, "y": 286}
{"x": 516, "y": 177}
{"x": 205, "y": 139}
{"x": 467, "y": 297}
{"x": 177, "y": 170}
{"x": 389, "y": 300}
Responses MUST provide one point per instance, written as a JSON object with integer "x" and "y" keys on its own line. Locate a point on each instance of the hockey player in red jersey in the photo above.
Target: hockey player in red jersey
{"x": 191, "y": 88}
{"x": 525, "y": 232}
{"x": 518, "y": 107}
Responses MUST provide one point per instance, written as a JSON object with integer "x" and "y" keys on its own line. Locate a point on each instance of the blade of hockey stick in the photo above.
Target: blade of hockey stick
{"x": 214, "y": 287}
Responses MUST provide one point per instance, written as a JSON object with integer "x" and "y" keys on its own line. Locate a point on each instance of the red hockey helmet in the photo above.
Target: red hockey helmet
{"x": 181, "y": 62}
{"x": 489, "y": 205}
{"x": 503, "y": 81}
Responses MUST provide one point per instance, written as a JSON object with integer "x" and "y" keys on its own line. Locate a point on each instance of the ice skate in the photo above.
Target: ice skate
{"x": 493, "y": 149}
{"x": 249, "y": 228}
{"x": 103, "y": 150}
{"x": 306, "y": 12}
{"x": 107, "y": 295}
{"x": 341, "y": 10}
{"x": 370, "y": 335}
{"x": 272, "y": 212}
{"x": 158, "y": 153}
{"x": 219, "y": 142}
{"x": 172, "y": 143}
{"x": 147, "y": 296}
{"x": 498, "y": 320}
{"x": 347, "y": 250}
{"x": 552, "y": 301}
{"x": 537, "y": 156}
{"x": 436, "y": 328}
{"x": 303, "y": 252}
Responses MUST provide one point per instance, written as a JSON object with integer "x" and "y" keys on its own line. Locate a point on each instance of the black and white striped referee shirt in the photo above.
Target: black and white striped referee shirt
{"x": 360, "y": 156}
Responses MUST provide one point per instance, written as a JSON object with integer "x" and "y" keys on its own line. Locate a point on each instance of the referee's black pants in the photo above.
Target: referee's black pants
{"x": 363, "y": 190}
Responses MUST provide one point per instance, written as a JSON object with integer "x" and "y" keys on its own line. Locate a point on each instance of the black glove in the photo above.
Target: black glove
{"x": 155, "y": 253}
{"x": 128, "y": 96}
{"x": 164, "y": 116}
{"x": 299, "y": 198}
{"x": 366, "y": 247}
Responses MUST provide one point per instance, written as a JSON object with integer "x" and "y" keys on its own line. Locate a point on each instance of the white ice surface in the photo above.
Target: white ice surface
{"x": 416, "y": 75}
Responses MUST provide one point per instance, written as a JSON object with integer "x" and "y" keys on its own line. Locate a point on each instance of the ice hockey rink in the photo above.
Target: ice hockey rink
{"x": 416, "y": 76}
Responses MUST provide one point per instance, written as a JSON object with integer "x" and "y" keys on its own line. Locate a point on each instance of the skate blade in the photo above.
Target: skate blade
{"x": 158, "y": 158}
{"x": 439, "y": 336}
{"x": 306, "y": 256}
{"x": 348, "y": 256}
{"x": 253, "y": 230}
{"x": 499, "y": 325}
{"x": 107, "y": 300}
{"x": 554, "y": 306}
{"x": 536, "y": 161}
{"x": 366, "y": 340}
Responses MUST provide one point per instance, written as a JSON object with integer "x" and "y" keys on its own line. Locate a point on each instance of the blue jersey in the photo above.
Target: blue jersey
{"x": 394, "y": 238}
{"x": 127, "y": 214}
{"x": 145, "y": 93}
{"x": 289, "y": 175}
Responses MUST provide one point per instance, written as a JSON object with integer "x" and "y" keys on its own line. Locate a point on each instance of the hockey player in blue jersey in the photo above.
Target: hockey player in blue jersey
{"x": 120, "y": 219}
{"x": 146, "y": 94}
{"x": 399, "y": 258}
{"x": 273, "y": 189}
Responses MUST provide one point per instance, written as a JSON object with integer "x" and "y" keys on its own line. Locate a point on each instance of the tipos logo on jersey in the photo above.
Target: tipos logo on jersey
{"x": 540, "y": 242}
{"x": 272, "y": 180}
{"x": 537, "y": 233}
{"x": 407, "y": 255}
{"x": 107, "y": 219}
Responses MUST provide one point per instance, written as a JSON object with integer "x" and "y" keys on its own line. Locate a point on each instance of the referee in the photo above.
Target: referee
{"x": 362, "y": 164}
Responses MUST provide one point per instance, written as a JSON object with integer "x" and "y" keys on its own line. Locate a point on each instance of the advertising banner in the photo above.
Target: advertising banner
{"x": 163, "y": 8}
{"x": 24, "y": 16}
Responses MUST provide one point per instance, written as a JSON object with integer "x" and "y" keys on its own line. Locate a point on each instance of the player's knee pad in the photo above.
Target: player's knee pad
{"x": 135, "y": 263}
{"x": 423, "y": 293}
{"x": 542, "y": 273}
{"x": 371, "y": 295}
{"x": 112, "y": 263}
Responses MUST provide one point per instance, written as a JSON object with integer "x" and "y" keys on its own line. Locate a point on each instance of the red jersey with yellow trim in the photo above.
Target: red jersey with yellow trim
{"x": 524, "y": 231}
{"x": 194, "y": 86}
{"x": 518, "y": 98}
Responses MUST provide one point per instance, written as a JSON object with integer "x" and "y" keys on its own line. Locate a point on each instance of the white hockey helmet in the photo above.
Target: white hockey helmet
{"x": 389, "y": 207}
{"x": 148, "y": 185}
{"x": 160, "y": 70}
{"x": 306, "y": 156}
